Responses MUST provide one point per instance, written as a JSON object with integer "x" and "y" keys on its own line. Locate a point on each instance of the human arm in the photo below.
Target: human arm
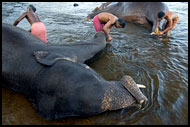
{"x": 155, "y": 29}
{"x": 169, "y": 27}
{"x": 157, "y": 25}
{"x": 107, "y": 29}
{"x": 20, "y": 18}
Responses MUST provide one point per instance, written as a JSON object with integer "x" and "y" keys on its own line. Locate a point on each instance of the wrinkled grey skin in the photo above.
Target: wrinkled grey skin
{"x": 136, "y": 12}
{"x": 55, "y": 79}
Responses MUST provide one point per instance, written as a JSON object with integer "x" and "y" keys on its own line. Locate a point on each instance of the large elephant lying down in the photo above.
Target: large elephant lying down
{"x": 136, "y": 12}
{"x": 56, "y": 81}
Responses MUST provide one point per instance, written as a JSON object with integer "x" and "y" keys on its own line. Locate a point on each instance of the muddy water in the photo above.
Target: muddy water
{"x": 159, "y": 63}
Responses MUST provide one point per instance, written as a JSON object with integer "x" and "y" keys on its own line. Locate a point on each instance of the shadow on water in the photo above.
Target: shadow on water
{"x": 158, "y": 62}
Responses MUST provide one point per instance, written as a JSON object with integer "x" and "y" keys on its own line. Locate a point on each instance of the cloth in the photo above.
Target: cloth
{"x": 39, "y": 30}
{"x": 97, "y": 25}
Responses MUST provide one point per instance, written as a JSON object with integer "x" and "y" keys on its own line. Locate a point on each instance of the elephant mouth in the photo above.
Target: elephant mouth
{"x": 115, "y": 98}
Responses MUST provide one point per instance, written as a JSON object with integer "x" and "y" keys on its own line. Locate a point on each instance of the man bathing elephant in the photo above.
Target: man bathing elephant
{"x": 55, "y": 78}
{"x": 145, "y": 13}
{"x": 172, "y": 19}
{"x": 37, "y": 27}
{"x": 105, "y": 21}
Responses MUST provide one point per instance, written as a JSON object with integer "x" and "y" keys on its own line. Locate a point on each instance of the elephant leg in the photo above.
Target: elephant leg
{"x": 163, "y": 24}
{"x": 154, "y": 26}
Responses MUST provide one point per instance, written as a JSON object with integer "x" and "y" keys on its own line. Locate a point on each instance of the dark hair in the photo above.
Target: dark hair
{"x": 161, "y": 14}
{"x": 121, "y": 22}
{"x": 32, "y": 7}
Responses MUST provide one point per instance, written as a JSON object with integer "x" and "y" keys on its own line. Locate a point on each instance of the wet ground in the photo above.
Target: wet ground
{"x": 159, "y": 63}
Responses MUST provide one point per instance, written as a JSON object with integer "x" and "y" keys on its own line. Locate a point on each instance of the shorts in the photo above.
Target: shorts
{"x": 97, "y": 25}
{"x": 39, "y": 30}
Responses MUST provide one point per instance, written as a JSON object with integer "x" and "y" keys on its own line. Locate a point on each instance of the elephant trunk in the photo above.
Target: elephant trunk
{"x": 133, "y": 89}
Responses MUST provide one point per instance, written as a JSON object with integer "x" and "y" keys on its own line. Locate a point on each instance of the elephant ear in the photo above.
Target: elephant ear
{"x": 49, "y": 58}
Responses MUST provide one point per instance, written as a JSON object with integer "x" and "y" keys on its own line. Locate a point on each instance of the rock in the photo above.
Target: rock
{"x": 75, "y": 4}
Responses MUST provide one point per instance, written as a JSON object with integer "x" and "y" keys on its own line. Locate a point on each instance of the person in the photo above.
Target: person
{"x": 37, "y": 27}
{"x": 105, "y": 21}
{"x": 172, "y": 19}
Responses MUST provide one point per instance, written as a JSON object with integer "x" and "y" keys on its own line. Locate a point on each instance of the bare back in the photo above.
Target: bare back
{"x": 171, "y": 15}
{"x": 104, "y": 17}
{"x": 32, "y": 17}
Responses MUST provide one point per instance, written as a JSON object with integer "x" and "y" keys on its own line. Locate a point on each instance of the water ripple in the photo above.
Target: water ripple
{"x": 160, "y": 63}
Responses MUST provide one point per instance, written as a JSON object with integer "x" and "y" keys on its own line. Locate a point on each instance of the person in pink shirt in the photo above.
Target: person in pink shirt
{"x": 37, "y": 27}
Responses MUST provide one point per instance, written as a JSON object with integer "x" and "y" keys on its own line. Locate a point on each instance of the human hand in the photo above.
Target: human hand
{"x": 109, "y": 38}
{"x": 87, "y": 19}
{"x": 160, "y": 33}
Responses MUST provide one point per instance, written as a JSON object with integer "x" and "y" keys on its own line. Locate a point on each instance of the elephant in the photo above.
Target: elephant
{"x": 144, "y": 13}
{"x": 56, "y": 80}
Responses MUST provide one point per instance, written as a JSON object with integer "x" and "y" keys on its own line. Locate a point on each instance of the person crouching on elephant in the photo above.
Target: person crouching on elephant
{"x": 37, "y": 27}
{"x": 105, "y": 21}
{"x": 172, "y": 19}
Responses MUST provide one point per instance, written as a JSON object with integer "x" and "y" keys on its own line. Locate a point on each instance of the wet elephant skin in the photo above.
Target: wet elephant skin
{"x": 136, "y": 12}
{"x": 55, "y": 79}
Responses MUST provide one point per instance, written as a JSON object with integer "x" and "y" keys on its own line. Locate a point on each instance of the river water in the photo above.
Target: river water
{"x": 159, "y": 63}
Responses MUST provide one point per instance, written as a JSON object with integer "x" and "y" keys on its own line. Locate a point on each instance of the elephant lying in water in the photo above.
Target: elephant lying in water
{"x": 56, "y": 81}
{"x": 136, "y": 12}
